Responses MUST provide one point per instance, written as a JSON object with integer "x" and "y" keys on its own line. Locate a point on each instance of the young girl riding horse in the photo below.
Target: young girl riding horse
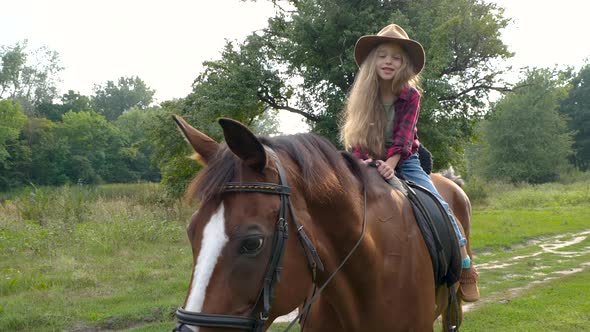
{"x": 380, "y": 119}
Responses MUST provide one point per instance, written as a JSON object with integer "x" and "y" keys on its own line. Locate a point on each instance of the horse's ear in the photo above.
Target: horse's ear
{"x": 201, "y": 143}
{"x": 243, "y": 143}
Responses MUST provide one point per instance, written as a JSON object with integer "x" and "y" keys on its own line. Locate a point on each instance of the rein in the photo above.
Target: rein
{"x": 308, "y": 303}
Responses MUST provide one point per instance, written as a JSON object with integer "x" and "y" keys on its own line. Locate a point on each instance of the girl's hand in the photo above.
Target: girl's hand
{"x": 385, "y": 170}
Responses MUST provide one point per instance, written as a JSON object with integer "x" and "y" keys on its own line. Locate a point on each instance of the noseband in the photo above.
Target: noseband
{"x": 256, "y": 320}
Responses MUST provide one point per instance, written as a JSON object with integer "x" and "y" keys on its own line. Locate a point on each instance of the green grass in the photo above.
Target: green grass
{"x": 514, "y": 214}
{"x": 499, "y": 195}
{"x": 494, "y": 229}
{"x": 278, "y": 327}
{"x": 116, "y": 257}
{"x": 125, "y": 262}
{"x": 560, "y": 305}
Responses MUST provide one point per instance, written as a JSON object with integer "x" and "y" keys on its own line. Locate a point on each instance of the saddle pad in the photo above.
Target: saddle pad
{"x": 438, "y": 233}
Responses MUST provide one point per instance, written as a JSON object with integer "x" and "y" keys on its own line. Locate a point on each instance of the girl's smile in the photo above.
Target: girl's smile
{"x": 389, "y": 60}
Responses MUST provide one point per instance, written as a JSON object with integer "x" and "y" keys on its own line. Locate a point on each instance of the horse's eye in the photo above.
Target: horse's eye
{"x": 251, "y": 245}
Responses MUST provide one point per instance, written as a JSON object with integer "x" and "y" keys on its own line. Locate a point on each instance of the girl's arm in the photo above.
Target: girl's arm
{"x": 404, "y": 133}
{"x": 393, "y": 160}
{"x": 386, "y": 168}
{"x": 404, "y": 124}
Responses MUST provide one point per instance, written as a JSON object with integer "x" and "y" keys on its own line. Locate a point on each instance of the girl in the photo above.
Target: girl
{"x": 380, "y": 119}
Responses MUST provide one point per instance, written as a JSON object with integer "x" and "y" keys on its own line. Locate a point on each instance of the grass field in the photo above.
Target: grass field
{"x": 560, "y": 305}
{"x": 116, "y": 258}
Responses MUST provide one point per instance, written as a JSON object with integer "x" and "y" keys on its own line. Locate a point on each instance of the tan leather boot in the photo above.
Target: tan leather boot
{"x": 468, "y": 285}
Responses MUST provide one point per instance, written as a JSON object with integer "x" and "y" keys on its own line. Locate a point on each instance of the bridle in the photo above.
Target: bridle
{"x": 256, "y": 320}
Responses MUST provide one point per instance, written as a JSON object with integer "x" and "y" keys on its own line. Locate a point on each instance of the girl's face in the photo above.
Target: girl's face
{"x": 389, "y": 60}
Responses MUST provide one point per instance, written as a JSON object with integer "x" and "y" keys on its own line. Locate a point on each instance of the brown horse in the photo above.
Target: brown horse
{"x": 247, "y": 271}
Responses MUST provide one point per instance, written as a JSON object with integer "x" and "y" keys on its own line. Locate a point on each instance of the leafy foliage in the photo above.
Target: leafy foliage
{"x": 12, "y": 120}
{"x": 577, "y": 109}
{"x": 91, "y": 139}
{"x": 302, "y": 62}
{"x": 29, "y": 77}
{"x": 526, "y": 139}
{"x": 111, "y": 99}
{"x": 71, "y": 101}
{"x": 312, "y": 46}
{"x": 50, "y": 152}
{"x": 230, "y": 87}
{"x": 136, "y": 153}
{"x": 49, "y": 141}
{"x": 171, "y": 152}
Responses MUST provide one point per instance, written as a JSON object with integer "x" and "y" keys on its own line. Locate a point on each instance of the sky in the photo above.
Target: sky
{"x": 545, "y": 33}
{"x": 165, "y": 42}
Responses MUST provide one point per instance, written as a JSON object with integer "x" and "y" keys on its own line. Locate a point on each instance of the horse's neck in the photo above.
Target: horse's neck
{"x": 337, "y": 228}
{"x": 338, "y": 223}
{"x": 354, "y": 288}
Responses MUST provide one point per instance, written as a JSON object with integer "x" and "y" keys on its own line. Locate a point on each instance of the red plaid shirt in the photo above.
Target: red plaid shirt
{"x": 405, "y": 132}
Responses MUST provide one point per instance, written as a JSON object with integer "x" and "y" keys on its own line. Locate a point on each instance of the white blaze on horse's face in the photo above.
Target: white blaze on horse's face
{"x": 214, "y": 239}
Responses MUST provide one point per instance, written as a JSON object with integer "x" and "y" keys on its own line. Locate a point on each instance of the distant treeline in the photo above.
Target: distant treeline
{"x": 302, "y": 63}
{"x": 77, "y": 138}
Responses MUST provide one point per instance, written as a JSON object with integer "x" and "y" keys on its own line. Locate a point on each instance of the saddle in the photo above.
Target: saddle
{"x": 439, "y": 235}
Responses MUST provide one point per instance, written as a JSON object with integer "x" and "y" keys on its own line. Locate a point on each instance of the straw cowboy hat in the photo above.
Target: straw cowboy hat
{"x": 391, "y": 33}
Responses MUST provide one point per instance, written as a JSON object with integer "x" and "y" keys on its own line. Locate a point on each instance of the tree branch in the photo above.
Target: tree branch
{"x": 271, "y": 102}
{"x": 475, "y": 87}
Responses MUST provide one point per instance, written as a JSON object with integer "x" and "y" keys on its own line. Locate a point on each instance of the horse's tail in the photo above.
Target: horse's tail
{"x": 449, "y": 173}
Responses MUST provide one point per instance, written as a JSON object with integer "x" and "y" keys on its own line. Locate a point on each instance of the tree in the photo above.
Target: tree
{"x": 266, "y": 124}
{"x": 12, "y": 151}
{"x": 170, "y": 151}
{"x": 229, "y": 87}
{"x": 71, "y": 101}
{"x": 526, "y": 139}
{"x": 137, "y": 153}
{"x": 12, "y": 120}
{"x": 94, "y": 145}
{"x": 111, "y": 99}
{"x": 303, "y": 63}
{"x": 50, "y": 153}
{"x": 314, "y": 42}
{"x": 232, "y": 86}
{"x": 29, "y": 77}
{"x": 577, "y": 109}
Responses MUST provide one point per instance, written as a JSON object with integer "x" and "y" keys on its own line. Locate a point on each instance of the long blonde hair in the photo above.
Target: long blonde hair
{"x": 364, "y": 119}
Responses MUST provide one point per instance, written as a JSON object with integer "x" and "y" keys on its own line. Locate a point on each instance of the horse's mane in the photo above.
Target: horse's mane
{"x": 321, "y": 170}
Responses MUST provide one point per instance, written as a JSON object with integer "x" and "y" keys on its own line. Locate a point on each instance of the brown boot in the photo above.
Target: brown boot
{"x": 468, "y": 285}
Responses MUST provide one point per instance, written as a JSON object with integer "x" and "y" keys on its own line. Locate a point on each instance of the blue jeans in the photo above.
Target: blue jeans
{"x": 412, "y": 171}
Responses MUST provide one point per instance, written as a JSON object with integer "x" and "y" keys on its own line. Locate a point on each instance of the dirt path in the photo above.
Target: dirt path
{"x": 539, "y": 262}
{"x": 508, "y": 274}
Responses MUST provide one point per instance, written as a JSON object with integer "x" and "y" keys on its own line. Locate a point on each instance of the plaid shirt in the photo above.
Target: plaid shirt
{"x": 405, "y": 133}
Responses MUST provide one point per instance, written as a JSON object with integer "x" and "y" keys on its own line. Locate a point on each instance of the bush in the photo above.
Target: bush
{"x": 476, "y": 190}
{"x": 33, "y": 205}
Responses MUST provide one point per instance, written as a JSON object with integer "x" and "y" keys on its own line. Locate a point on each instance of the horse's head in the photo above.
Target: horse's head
{"x": 238, "y": 235}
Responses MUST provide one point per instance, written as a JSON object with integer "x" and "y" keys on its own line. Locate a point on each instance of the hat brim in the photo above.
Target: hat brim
{"x": 365, "y": 45}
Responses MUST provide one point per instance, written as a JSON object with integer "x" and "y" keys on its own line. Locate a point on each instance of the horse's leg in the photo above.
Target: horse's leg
{"x": 448, "y": 311}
